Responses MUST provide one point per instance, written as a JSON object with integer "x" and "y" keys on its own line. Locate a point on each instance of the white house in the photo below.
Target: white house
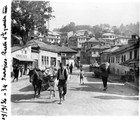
{"x": 21, "y": 55}
{"x": 109, "y": 36}
{"x": 44, "y": 55}
{"x": 121, "y": 41}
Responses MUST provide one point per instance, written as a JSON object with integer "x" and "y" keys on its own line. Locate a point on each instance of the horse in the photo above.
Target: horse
{"x": 42, "y": 81}
{"x": 35, "y": 77}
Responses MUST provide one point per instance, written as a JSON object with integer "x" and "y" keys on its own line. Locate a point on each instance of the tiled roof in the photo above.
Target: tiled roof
{"x": 101, "y": 40}
{"x": 111, "y": 49}
{"x": 122, "y": 48}
{"x": 64, "y": 49}
{"x": 99, "y": 47}
{"x": 93, "y": 39}
{"x": 44, "y": 46}
{"x": 52, "y": 48}
{"x": 16, "y": 48}
{"x": 108, "y": 34}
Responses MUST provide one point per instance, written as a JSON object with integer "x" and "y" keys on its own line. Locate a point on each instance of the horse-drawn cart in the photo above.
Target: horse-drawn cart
{"x": 42, "y": 80}
{"x": 48, "y": 82}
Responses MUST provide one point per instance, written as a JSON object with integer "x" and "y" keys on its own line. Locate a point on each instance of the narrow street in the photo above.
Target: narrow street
{"x": 87, "y": 99}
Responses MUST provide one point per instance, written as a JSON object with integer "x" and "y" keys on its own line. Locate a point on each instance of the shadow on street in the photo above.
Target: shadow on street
{"x": 18, "y": 97}
{"x": 27, "y": 88}
{"x": 24, "y": 98}
{"x": 117, "y": 97}
{"x": 115, "y": 90}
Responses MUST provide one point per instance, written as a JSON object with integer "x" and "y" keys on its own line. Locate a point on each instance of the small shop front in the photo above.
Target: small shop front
{"x": 24, "y": 64}
{"x": 21, "y": 56}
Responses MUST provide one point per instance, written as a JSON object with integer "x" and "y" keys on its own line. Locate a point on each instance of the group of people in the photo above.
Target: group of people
{"x": 70, "y": 68}
{"x": 16, "y": 70}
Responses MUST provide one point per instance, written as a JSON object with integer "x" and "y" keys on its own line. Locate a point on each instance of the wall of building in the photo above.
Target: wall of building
{"x": 23, "y": 53}
{"x": 80, "y": 41}
{"x": 108, "y": 36}
{"x": 121, "y": 41}
{"x": 47, "y": 57}
{"x": 120, "y": 69}
{"x": 35, "y": 57}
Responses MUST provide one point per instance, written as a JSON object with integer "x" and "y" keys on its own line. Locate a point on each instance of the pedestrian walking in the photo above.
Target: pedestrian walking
{"x": 81, "y": 76}
{"x": 71, "y": 68}
{"x": 16, "y": 72}
{"x": 67, "y": 67}
{"x": 62, "y": 76}
{"x": 105, "y": 71}
{"x": 21, "y": 71}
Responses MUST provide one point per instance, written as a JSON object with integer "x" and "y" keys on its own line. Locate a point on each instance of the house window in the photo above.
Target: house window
{"x": 109, "y": 59}
{"x": 42, "y": 60}
{"x": 47, "y": 60}
{"x": 135, "y": 54}
{"x": 130, "y": 54}
{"x": 124, "y": 58}
{"x": 116, "y": 59}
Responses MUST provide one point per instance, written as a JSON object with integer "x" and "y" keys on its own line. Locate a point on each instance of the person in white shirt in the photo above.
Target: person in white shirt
{"x": 81, "y": 76}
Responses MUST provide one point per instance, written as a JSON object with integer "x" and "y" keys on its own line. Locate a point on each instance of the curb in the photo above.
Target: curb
{"x": 131, "y": 85}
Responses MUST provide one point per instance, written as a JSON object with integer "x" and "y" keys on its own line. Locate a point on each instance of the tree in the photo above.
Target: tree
{"x": 98, "y": 31}
{"x": 68, "y": 28}
{"x": 116, "y": 30}
{"x": 28, "y": 15}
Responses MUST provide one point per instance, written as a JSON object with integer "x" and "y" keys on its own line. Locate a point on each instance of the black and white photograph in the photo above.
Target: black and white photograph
{"x": 69, "y": 58}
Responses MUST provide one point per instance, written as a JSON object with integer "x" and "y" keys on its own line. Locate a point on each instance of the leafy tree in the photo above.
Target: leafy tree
{"x": 68, "y": 28}
{"x": 28, "y": 15}
{"x": 116, "y": 30}
{"x": 98, "y": 31}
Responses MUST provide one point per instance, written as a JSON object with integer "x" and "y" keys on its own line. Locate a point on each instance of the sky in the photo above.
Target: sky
{"x": 91, "y": 12}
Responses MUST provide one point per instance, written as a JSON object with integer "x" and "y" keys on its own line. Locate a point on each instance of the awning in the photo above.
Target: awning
{"x": 24, "y": 59}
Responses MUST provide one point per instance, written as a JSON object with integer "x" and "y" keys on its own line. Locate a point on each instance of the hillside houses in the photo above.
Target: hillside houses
{"x": 77, "y": 41}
